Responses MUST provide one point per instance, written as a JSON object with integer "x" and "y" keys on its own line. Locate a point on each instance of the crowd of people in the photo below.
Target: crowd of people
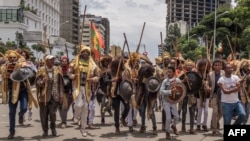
{"x": 125, "y": 87}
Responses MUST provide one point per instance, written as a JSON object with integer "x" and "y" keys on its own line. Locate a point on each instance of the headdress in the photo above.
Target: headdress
{"x": 12, "y": 53}
{"x": 48, "y": 57}
{"x": 189, "y": 62}
{"x": 166, "y": 55}
{"x": 85, "y": 48}
{"x": 64, "y": 58}
{"x": 158, "y": 60}
{"x": 105, "y": 58}
{"x": 134, "y": 56}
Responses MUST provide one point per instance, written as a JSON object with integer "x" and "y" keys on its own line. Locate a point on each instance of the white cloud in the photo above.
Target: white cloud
{"x": 128, "y": 16}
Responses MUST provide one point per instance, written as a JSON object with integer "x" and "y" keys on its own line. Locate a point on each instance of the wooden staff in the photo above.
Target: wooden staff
{"x": 83, "y": 20}
{"x": 162, "y": 49}
{"x": 230, "y": 48}
{"x": 176, "y": 53}
{"x": 50, "y": 48}
{"x": 138, "y": 47}
{"x": 45, "y": 50}
{"x": 210, "y": 47}
{"x": 118, "y": 69}
{"x": 67, "y": 53}
{"x": 177, "y": 57}
{"x": 126, "y": 42}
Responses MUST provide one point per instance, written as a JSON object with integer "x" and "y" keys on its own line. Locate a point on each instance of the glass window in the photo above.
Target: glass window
{"x": 8, "y": 15}
{"x": 3, "y": 15}
{"x": 14, "y": 15}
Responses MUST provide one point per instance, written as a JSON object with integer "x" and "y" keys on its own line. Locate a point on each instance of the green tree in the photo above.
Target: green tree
{"x": 38, "y": 48}
{"x": 173, "y": 34}
{"x": 3, "y": 48}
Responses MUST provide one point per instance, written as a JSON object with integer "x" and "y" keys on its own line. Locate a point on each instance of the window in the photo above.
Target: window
{"x": 27, "y": 21}
{"x": 11, "y": 15}
{"x": 35, "y": 25}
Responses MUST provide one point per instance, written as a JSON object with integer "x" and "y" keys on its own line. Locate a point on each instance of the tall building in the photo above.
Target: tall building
{"x": 49, "y": 12}
{"x": 105, "y": 23}
{"x": 24, "y": 20}
{"x": 102, "y": 25}
{"x": 191, "y": 11}
{"x": 69, "y": 20}
{"x": 27, "y": 16}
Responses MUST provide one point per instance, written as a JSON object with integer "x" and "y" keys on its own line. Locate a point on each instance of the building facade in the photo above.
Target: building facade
{"x": 191, "y": 11}
{"x": 24, "y": 20}
{"x": 69, "y": 19}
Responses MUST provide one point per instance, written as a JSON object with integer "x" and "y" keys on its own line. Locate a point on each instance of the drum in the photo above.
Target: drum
{"x": 194, "y": 80}
{"x": 179, "y": 95}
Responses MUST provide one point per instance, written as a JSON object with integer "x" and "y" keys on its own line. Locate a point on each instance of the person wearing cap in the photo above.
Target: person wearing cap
{"x": 63, "y": 109}
{"x": 13, "y": 92}
{"x": 49, "y": 85}
{"x": 83, "y": 71}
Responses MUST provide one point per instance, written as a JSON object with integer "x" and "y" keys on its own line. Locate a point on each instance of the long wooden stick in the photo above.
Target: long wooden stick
{"x": 44, "y": 57}
{"x": 117, "y": 72}
{"x": 138, "y": 47}
{"x": 162, "y": 49}
{"x": 230, "y": 48}
{"x": 126, "y": 42}
{"x": 177, "y": 56}
{"x": 210, "y": 47}
{"x": 83, "y": 20}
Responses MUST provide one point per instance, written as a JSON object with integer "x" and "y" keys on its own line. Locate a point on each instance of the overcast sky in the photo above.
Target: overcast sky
{"x": 128, "y": 16}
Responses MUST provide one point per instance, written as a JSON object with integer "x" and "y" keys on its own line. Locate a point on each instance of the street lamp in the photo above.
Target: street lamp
{"x": 215, "y": 20}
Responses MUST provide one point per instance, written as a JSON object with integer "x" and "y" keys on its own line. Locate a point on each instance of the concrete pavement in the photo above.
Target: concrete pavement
{"x": 32, "y": 130}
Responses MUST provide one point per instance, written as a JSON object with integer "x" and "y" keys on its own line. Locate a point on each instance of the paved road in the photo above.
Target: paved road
{"x": 32, "y": 131}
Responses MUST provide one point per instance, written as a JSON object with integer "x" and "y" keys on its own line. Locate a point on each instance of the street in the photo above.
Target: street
{"x": 32, "y": 130}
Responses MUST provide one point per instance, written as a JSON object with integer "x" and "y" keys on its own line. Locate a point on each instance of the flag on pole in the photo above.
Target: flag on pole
{"x": 96, "y": 40}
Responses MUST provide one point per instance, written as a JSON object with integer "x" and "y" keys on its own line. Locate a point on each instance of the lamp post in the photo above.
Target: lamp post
{"x": 215, "y": 20}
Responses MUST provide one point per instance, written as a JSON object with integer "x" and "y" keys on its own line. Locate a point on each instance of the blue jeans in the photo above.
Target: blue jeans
{"x": 23, "y": 98}
{"x": 143, "y": 113}
{"x": 233, "y": 109}
{"x": 191, "y": 112}
{"x": 246, "y": 106}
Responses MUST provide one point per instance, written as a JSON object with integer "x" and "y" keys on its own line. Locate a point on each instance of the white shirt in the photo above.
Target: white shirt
{"x": 229, "y": 83}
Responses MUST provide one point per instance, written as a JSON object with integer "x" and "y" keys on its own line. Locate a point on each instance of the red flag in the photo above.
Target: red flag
{"x": 96, "y": 40}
